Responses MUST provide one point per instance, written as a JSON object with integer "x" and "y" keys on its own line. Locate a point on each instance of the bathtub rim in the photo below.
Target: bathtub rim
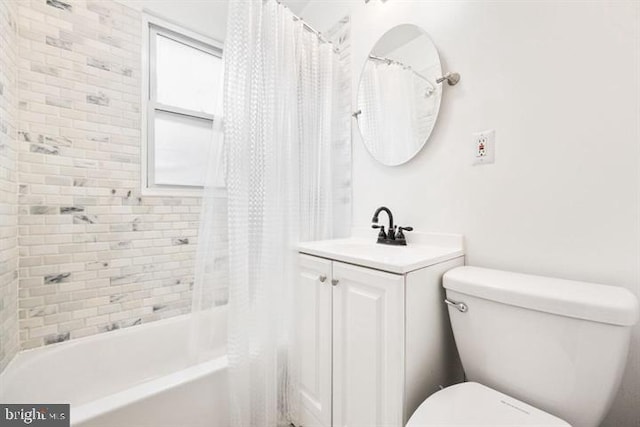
{"x": 98, "y": 407}
{"x": 12, "y": 376}
{"x": 25, "y": 356}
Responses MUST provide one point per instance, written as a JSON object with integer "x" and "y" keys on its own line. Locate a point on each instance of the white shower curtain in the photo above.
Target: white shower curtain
{"x": 285, "y": 180}
{"x": 397, "y": 109}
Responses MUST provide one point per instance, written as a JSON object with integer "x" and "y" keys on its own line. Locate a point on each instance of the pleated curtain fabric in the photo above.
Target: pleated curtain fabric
{"x": 285, "y": 133}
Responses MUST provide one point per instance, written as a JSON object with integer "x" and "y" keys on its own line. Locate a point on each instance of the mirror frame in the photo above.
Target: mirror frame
{"x": 437, "y": 107}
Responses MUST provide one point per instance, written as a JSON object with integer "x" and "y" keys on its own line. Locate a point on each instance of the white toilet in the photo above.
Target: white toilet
{"x": 532, "y": 347}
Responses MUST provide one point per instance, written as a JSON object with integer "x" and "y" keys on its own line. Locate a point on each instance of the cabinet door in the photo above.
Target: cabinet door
{"x": 368, "y": 347}
{"x": 313, "y": 294}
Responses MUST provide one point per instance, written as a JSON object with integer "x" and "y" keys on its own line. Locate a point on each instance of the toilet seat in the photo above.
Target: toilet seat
{"x": 472, "y": 404}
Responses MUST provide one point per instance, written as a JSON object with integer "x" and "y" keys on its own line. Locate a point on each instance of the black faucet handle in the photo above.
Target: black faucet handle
{"x": 400, "y": 235}
{"x": 381, "y": 235}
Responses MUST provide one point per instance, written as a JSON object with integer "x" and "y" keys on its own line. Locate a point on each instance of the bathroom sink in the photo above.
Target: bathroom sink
{"x": 394, "y": 259}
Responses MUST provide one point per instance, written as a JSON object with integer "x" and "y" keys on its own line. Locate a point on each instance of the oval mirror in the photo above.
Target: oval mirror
{"x": 398, "y": 97}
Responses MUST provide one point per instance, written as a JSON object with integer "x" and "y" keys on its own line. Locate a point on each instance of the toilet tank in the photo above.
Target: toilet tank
{"x": 556, "y": 344}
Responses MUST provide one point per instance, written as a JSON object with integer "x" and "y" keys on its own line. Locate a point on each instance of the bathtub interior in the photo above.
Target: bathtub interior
{"x": 91, "y": 368}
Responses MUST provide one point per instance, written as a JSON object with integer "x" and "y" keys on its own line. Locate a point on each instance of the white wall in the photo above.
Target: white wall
{"x": 559, "y": 81}
{"x": 207, "y": 17}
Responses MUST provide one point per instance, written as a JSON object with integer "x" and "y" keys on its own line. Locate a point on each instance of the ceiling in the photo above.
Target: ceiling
{"x": 296, "y": 6}
{"x": 207, "y": 17}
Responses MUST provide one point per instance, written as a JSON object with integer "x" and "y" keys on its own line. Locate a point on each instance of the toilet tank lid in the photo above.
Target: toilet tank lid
{"x": 599, "y": 303}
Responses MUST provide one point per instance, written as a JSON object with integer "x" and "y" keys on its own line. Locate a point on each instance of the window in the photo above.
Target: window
{"x": 182, "y": 83}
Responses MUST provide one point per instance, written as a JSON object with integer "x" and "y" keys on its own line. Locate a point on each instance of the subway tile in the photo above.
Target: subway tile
{"x": 95, "y": 255}
{"x": 60, "y": 5}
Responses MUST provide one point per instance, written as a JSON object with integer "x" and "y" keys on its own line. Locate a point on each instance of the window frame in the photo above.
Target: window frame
{"x": 152, "y": 27}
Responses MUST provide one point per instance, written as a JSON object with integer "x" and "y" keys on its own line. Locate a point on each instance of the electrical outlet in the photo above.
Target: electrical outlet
{"x": 484, "y": 147}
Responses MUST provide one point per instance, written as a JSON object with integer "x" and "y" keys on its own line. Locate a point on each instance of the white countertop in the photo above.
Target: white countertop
{"x": 394, "y": 259}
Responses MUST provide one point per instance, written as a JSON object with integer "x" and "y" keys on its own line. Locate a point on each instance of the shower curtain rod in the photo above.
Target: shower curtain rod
{"x": 312, "y": 30}
{"x": 405, "y": 66}
{"x": 309, "y": 28}
{"x": 452, "y": 79}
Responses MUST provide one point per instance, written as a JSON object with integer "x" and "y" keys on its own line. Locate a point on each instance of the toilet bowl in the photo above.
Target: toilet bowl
{"x": 536, "y": 350}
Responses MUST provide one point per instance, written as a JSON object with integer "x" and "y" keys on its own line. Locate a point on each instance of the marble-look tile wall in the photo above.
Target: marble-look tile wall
{"x": 8, "y": 184}
{"x": 95, "y": 255}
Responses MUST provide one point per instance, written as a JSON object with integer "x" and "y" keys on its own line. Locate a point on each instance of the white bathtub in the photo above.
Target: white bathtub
{"x": 134, "y": 377}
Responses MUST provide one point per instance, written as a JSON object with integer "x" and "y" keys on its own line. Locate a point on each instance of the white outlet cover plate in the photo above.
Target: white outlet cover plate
{"x": 484, "y": 147}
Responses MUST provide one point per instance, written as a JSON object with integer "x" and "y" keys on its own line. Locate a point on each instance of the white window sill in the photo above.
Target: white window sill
{"x": 171, "y": 192}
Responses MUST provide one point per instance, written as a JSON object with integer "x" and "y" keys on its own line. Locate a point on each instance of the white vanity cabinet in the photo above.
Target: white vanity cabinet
{"x": 373, "y": 342}
{"x": 368, "y": 338}
{"x": 313, "y": 327}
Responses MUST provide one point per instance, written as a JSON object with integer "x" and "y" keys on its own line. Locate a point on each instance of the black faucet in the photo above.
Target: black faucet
{"x": 390, "y": 237}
